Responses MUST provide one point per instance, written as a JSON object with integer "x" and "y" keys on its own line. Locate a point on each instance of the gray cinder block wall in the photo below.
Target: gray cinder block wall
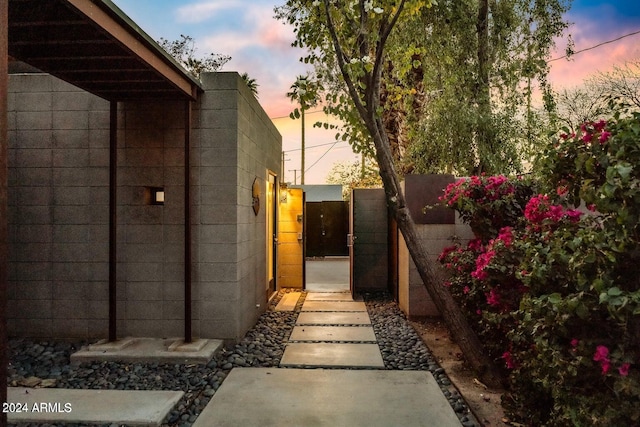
{"x": 436, "y": 230}
{"x": 58, "y": 208}
{"x": 239, "y": 144}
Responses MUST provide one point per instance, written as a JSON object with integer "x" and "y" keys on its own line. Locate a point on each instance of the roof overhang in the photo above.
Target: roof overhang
{"x": 92, "y": 44}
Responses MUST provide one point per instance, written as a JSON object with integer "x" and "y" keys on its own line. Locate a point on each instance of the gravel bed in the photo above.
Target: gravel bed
{"x": 262, "y": 346}
{"x": 403, "y": 349}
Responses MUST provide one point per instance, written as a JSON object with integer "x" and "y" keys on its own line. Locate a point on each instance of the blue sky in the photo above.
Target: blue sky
{"x": 260, "y": 45}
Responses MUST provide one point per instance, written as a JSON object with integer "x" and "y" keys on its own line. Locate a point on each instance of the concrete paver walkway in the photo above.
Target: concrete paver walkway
{"x": 262, "y": 397}
{"x": 373, "y": 397}
{"x": 331, "y": 331}
{"x": 322, "y": 344}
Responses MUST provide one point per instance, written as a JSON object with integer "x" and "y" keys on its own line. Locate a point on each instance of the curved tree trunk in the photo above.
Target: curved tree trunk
{"x": 455, "y": 320}
{"x": 366, "y": 98}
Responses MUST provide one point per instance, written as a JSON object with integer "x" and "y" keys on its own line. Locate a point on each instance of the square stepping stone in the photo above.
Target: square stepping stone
{"x": 328, "y": 296}
{"x": 288, "y": 301}
{"x": 332, "y": 333}
{"x": 333, "y": 318}
{"x": 328, "y": 398}
{"x": 332, "y": 355}
{"x": 121, "y": 407}
{"x": 334, "y": 306}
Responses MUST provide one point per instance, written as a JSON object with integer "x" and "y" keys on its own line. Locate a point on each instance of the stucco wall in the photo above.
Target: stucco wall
{"x": 290, "y": 244}
{"x": 58, "y": 211}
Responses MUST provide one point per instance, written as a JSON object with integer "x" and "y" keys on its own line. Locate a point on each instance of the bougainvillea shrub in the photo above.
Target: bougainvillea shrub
{"x": 555, "y": 291}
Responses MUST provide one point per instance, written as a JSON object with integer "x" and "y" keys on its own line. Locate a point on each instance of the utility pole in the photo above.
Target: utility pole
{"x": 305, "y": 92}
{"x": 295, "y": 176}
{"x": 302, "y": 139}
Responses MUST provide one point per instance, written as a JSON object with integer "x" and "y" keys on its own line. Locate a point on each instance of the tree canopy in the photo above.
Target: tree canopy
{"x": 457, "y": 79}
{"x": 184, "y": 51}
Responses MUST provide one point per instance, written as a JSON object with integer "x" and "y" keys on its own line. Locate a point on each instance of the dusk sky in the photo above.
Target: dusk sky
{"x": 261, "y": 46}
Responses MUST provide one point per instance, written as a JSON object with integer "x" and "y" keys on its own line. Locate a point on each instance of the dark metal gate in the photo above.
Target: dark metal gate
{"x": 327, "y": 228}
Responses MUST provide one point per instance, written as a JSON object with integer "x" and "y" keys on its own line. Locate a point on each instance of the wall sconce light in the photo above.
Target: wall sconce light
{"x": 255, "y": 195}
{"x": 284, "y": 192}
{"x": 155, "y": 195}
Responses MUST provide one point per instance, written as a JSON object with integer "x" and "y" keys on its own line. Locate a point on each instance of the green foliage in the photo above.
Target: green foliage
{"x": 183, "y": 50}
{"x": 353, "y": 175}
{"x": 558, "y": 293}
{"x": 466, "y": 99}
{"x": 251, "y": 83}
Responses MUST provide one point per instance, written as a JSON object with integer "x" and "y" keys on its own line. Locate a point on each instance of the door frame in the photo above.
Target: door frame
{"x": 271, "y": 227}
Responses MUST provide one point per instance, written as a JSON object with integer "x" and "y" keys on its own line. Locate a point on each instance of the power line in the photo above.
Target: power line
{"x": 314, "y": 146}
{"x": 306, "y": 112}
{"x": 320, "y": 158}
{"x": 595, "y": 46}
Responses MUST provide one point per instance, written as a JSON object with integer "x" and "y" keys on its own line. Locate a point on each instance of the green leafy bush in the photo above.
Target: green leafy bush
{"x": 555, "y": 291}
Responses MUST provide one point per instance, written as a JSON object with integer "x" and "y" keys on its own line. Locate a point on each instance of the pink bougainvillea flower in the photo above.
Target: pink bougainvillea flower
{"x": 478, "y": 312}
{"x": 591, "y": 207}
{"x": 562, "y": 190}
{"x": 602, "y": 355}
{"x": 466, "y": 290}
{"x": 586, "y": 138}
{"x": 624, "y": 369}
{"x": 599, "y": 125}
{"x": 506, "y": 235}
{"x": 446, "y": 251}
{"x": 508, "y": 359}
{"x": 604, "y": 137}
{"x": 493, "y": 298}
{"x": 475, "y": 244}
{"x": 574, "y": 342}
{"x": 446, "y": 284}
{"x": 573, "y": 215}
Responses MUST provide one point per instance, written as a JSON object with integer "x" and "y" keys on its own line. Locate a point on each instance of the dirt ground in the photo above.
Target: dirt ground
{"x": 484, "y": 403}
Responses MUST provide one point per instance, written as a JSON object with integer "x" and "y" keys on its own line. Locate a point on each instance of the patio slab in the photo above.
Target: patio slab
{"x": 171, "y": 350}
{"x": 332, "y": 355}
{"x": 320, "y": 397}
{"x": 329, "y": 296}
{"x": 332, "y": 333}
{"x": 121, "y": 407}
{"x": 288, "y": 301}
{"x": 333, "y": 318}
{"x": 334, "y": 306}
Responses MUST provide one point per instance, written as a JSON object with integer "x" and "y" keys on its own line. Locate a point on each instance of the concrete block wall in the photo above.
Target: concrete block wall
{"x": 59, "y": 204}
{"x": 58, "y": 208}
{"x": 239, "y": 145}
{"x": 413, "y": 298}
{"x": 151, "y": 237}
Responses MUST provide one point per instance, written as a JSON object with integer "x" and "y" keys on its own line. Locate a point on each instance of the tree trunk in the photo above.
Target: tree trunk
{"x": 455, "y": 320}
{"x": 366, "y": 98}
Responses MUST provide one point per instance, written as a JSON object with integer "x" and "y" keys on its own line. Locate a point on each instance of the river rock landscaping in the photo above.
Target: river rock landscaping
{"x": 46, "y": 363}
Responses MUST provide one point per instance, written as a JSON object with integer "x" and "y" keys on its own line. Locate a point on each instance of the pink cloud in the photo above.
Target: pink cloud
{"x": 198, "y": 12}
{"x": 587, "y": 32}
